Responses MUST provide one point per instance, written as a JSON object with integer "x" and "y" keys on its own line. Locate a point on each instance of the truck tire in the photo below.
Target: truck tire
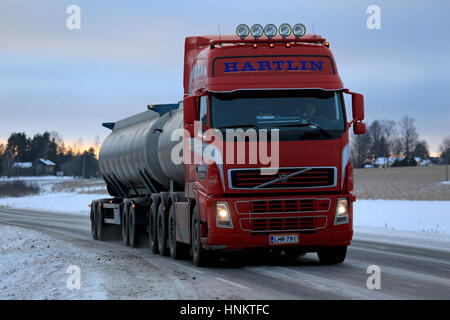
{"x": 93, "y": 221}
{"x": 132, "y": 232}
{"x": 177, "y": 249}
{"x": 332, "y": 255}
{"x": 162, "y": 231}
{"x": 125, "y": 224}
{"x": 200, "y": 256}
{"x": 152, "y": 229}
{"x": 99, "y": 222}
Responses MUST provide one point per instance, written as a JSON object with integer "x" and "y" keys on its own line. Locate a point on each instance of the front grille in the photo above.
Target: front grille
{"x": 283, "y": 224}
{"x": 253, "y": 179}
{"x": 282, "y": 206}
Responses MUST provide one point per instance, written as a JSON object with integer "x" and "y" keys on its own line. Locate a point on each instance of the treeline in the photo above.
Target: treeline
{"x": 21, "y": 148}
{"x": 399, "y": 142}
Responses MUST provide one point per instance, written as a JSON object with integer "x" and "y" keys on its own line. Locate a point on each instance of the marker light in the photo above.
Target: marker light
{"x": 299, "y": 30}
{"x": 257, "y": 31}
{"x": 270, "y": 30}
{"x": 285, "y": 30}
{"x": 242, "y": 31}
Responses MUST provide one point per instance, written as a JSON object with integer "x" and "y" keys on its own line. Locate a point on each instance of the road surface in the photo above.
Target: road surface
{"x": 416, "y": 269}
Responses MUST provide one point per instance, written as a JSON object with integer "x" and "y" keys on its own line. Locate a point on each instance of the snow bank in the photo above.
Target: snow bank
{"x": 34, "y": 265}
{"x": 60, "y": 201}
{"x": 403, "y": 215}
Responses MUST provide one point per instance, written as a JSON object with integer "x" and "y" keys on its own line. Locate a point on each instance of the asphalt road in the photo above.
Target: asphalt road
{"x": 409, "y": 268}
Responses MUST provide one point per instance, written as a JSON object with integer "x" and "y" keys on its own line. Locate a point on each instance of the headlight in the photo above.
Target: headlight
{"x": 342, "y": 212}
{"x": 242, "y": 31}
{"x": 257, "y": 31}
{"x": 223, "y": 216}
{"x": 299, "y": 30}
{"x": 270, "y": 30}
{"x": 285, "y": 30}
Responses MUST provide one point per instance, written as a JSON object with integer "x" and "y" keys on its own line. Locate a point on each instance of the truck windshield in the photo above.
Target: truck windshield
{"x": 299, "y": 114}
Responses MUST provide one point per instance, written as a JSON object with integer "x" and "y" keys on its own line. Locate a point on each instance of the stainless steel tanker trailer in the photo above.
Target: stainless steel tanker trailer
{"x": 135, "y": 162}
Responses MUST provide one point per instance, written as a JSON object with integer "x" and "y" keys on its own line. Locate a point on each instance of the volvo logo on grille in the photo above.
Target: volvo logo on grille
{"x": 283, "y": 177}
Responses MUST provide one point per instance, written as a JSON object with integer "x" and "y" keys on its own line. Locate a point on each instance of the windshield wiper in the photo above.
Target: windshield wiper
{"x": 239, "y": 126}
{"x": 310, "y": 124}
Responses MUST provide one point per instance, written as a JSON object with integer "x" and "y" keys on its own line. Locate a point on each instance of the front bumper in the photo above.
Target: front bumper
{"x": 315, "y": 226}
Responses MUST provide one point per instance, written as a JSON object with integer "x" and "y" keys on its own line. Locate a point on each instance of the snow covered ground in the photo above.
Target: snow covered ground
{"x": 64, "y": 194}
{"x": 33, "y": 265}
{"x": 403, "y": 215}
{"x": 59, "y": 201}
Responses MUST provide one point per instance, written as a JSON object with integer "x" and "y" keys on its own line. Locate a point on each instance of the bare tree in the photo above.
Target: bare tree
{"x": 389, "y": 132}
{"x": 444, "y": 150}
{"x": 360, "y": 149}
{"x": 408, "y": 135}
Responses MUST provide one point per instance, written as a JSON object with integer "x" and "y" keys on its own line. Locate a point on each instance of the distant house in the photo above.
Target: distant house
{"x": 40, "y": 167}
{"x": 22, "y": 169}
{"x": 43, "y": 167}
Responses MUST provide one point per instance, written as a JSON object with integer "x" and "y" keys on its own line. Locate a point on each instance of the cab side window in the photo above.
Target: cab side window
{"x": 203, "y": 111}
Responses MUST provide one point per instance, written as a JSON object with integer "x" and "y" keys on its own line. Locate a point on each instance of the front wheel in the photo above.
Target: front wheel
{"x": 332, "y": 255}
{"x": 199, "y": 255}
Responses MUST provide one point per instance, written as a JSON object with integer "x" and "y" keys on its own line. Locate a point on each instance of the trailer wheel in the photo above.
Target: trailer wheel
{"x": 178, "y": 250}
{"x": 332, "y": 255}
{"x": 125, "y": 224}
{"x": 162, "y": 231}
{"x": 152, "y": 227}
{"x": 199, "y": 255}
{"x": 93, "y": 221}
{"x": 99, "y": 222}
{"x": 132, "y": 227}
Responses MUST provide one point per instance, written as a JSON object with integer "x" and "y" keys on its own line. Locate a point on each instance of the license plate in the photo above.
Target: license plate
{"x": 287, "y": 238}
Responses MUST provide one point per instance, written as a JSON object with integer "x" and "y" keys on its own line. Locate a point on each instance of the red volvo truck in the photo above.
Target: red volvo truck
{"x": 219, "y": 199}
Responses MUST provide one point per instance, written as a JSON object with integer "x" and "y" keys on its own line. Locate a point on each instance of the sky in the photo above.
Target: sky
{"x": 128, "y": 54}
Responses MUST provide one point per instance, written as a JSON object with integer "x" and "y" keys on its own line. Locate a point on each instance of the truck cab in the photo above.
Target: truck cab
{"x": 290, "y": 87}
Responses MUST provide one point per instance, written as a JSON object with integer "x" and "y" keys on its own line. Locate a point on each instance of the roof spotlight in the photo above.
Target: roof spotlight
{"x": 299, "y": 30}
{"x": 256, "y": 30}
{"x": 270, "y": 30}
{"x": 285, "y": 30}
{"x": 242, "y": 31}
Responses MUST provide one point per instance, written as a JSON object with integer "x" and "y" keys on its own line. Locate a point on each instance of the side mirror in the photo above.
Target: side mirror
{"x": 359, "y": 127}
{"x": 357, "y": 105}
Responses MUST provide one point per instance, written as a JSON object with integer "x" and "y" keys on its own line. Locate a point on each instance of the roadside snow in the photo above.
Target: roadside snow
{"x": 59, "y": 201}
{"x": 403, "y": 215}
{"x": 33, "y": 265}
